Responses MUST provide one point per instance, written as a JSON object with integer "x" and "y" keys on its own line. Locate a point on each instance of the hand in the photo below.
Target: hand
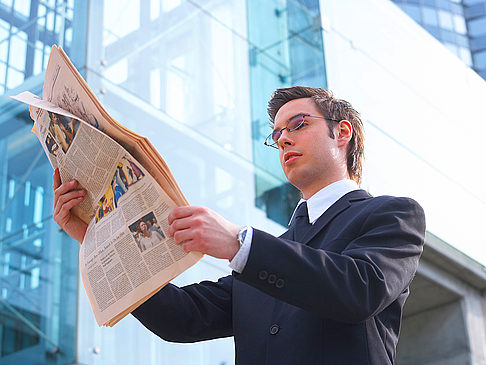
{"x": 202, "y": 230}
{"x": 65, "y": 198}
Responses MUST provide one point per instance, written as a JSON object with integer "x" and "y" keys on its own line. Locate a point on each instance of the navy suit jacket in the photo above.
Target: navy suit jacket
{"x": 335, "y": 298}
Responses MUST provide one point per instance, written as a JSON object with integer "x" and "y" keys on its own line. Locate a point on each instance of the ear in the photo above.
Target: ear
{"x": 343, "y": 132}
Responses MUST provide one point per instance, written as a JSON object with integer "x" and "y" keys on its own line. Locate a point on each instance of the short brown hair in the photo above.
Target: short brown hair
{"x": 330, "y": 107}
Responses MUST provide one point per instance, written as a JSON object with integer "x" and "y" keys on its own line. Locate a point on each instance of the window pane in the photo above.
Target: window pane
{"x": 120, "y": 19}
{"x": 429, "y": 16}
{"x": 4, "y": 30}
{"x": 462, "y": 40}
{"x": 435, "y": 31}
{"x": 414, "y": 12}
{"x": 38, "y": 56}
{"x": 465, "y": 55}
{"x": 475, "y": 10}
{"x": 14, "y": 78}
{"x": 459, "y": 24}
{"x": 477, "y": 27}
{"x": 7, "y": 3}
{"x": 445, "y": 20}
{"x": 3, "y": 51}
{"x": 18, "y": 46}
{"x": 168, "y": 5}
{"x": 453, "y": 48}
{"x": 480, "y": 60}
{"x": 443, "y": 4}
{"x": 448, "y": 36}
{"x": 41, "y": 16}
{"x": 3, "y": 71}
{"x": 22, "y": 7}
{"x": 478, "y": 43}
{"x": 457, "y": 9}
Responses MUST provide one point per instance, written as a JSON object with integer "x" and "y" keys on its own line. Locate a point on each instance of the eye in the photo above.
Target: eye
{"x": 302, "y": 124}
{"x": 276, "y": 135}
{"x": 296, "y": 123}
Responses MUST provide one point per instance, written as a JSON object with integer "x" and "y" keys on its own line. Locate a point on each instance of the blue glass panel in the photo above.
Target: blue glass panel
{"x": 480, "y": 60}
{"x": 445, "y": 20}
{"x": 477, "y": 27}
{"x": 465, "y": 55}
{"x": 443, "y": 4}
{"x": 37, "y": 303}
{"x": 457, "y": 8}
{"x": 478, "y": 43}
{"x": 459, "y": 24}
{"x": 38, "y": 263}
{"x": 429, "y": 16}
{"x": 471, "y": 2}
{"x": 435, "y": 31}
{"x": 475, "y": 10}
{"x": 287, "y": 50}
{"x": 414, "y": 12}
{"x": 430, "y": 3}
{"x": 462, "y": 40}
{"x": 448, "y": 36}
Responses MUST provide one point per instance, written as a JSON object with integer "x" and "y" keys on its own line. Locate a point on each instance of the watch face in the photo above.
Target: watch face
{"x": 242, "y": 235}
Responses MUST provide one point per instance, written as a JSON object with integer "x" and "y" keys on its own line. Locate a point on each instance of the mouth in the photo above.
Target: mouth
{"x": 290, "y": 157}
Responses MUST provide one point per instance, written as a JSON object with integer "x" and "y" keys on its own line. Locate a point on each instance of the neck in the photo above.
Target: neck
{"x": 308, "y": 192}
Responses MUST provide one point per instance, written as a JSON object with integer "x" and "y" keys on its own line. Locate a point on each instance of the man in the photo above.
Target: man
{"x": 331, "y": 289}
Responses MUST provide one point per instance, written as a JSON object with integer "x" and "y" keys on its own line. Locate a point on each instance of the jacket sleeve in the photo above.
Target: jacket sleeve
{"x": 192, "y": 313}
{"x": 367, "y": 275}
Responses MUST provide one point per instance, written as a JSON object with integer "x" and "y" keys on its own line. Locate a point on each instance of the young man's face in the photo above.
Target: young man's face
{"x": 310, "y": 158}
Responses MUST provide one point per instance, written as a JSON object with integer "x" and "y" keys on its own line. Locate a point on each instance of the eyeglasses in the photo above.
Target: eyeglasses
{"x": 294, "y": 124}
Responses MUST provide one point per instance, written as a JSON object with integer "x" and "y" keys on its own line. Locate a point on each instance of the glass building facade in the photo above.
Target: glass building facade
{"x": 475, "y": 13}
{"x": 459, "y": 24}
{"x": 194, "y": 77}
{"x": 38, "y": 264}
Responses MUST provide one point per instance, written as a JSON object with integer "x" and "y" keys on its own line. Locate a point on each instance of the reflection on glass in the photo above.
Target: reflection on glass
{"x": 286, "y": 50}
{"x": 37, "y": 304}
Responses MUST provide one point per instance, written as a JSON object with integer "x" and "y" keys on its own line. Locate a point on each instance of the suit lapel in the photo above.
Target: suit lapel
{"x": 288, "y": 234}
{"x": 342, "y": 204}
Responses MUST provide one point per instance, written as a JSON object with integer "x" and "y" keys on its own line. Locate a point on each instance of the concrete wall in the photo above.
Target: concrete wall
{"x": 444, "y": 317}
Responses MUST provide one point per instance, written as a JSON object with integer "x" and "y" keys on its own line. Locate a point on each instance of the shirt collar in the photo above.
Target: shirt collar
{"x": 318, "y": 203}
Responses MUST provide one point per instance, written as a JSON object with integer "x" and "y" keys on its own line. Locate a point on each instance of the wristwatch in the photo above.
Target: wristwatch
{"x": 240, "y": 237}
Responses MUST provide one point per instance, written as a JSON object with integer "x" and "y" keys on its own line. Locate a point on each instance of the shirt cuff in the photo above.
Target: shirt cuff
{"x": 239, "y": 261}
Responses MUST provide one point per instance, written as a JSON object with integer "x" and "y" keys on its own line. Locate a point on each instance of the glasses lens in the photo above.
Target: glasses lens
{"x": 295, "y": 123}
{"x": 276, "y": 135}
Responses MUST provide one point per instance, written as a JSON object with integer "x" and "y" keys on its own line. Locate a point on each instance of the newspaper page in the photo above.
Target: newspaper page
{"x": 126, "y": 255}
{"x": 64, "y": 87}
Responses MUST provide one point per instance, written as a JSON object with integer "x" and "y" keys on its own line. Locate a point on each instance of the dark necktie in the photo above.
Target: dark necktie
{"x": 301, "y": 224}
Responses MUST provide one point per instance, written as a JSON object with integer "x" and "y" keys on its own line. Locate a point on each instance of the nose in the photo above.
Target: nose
{"x": 285, "y": 139}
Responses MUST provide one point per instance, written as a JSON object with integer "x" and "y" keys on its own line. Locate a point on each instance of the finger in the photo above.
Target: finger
{"x": 179, "y": 224}
{"x": 184, "y": 235}
{"x": 56, "y": 179}
{"x": 64, "y": 188}
{"x": 189, "y": 246}
{"x": 65, "y": 198}
{"x": 64, "y": 213}
{"x": 181, "y": 212}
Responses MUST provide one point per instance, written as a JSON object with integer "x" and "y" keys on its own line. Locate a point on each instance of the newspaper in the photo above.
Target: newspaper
{"x": 126, "y": 255}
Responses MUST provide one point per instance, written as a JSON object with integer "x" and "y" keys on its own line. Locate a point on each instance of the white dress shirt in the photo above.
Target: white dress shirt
{"x": 317, "y": 204}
